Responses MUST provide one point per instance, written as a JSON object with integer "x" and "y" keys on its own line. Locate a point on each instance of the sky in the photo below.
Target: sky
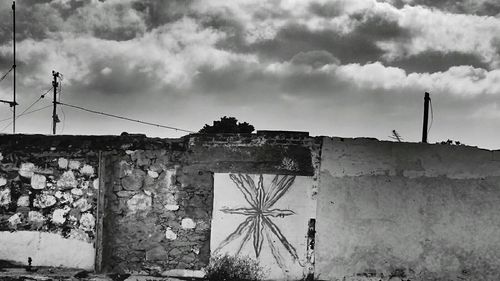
{"x": 347, "y": 68}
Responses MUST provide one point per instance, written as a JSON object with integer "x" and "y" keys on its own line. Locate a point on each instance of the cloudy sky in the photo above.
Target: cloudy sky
{"x": 353, "y": 68}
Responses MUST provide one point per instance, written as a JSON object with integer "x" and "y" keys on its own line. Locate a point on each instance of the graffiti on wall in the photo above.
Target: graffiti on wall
{"x": 264, "y": 217}
{"x": 259, "y": 212}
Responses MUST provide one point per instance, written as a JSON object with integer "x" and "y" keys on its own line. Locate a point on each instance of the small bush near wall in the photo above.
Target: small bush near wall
{"x": 234, "y": 268}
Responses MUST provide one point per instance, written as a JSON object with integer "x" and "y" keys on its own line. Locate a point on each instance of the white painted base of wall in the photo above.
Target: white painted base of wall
{"x": 46, "y": 249}
{"x": 184, "y": 273}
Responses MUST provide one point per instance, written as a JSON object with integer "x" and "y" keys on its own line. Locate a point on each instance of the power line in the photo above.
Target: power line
{"x": 22, "y": 113}
{"x": 125, "y": 118}
{"x": 64, "y": 120}
{"x": 432, "y": 117}
{"x": 27, "y": 113}
{"x": 7, "y": 73}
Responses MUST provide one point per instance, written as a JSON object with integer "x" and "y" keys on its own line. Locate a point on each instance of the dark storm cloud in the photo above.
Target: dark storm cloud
{"x": 326, "y": 10}
{"x": 434, "y": 61}
{"x": 358, "y": 46}
{"x": 157, "y": 13}
{"x": 33, "y": 21}
{"x": 114, "y": 76}
{"x": 226, "y": 82}
{"x": 474, "y": 7}
{"x": 315, "y": 59}
{"x": 107, "y": 20}
{"x": 235, "y": 31}
{"x": 293, "y": 39}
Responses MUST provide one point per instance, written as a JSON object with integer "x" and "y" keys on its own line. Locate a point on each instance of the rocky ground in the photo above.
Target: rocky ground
{"x": 51, "y": 274}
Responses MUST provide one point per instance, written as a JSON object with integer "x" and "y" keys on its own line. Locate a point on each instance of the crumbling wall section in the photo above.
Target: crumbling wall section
{"x": 158, "y": 213}
{"x": 158, "y": 193}
{"x": 49, "y": 195}
{"x": 159, "y": 202}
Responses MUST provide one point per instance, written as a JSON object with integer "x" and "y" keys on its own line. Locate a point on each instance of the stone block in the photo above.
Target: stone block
{"x": 125, "y": 194}
{"x": 139, "y": 202}
{"x": 44, "y": 201}
{"x": 5, "y": 197}
{"x": 74, "y": 164}
{"x": 67, "y": 180}
{"x": 134, "y": 181}
{"x": 174, "y": 252}
{"x": 157, "y": 253}
{"x": 170, "y": 235}
{"x": 188, "y": 223}
{"x": 188, "y": 258}
{"x": 3, "y": 181}
{"x": 62, "y": 163}
{"x": 27, "y": 170}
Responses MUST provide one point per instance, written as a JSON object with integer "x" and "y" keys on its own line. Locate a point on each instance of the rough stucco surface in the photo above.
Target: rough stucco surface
{"x": 46, "y": 249}
{"x": 278, "y": 237}
{"x": 407, "y": 211}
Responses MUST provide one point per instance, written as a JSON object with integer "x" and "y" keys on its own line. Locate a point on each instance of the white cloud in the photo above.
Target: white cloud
{"x": 440, "y": 31}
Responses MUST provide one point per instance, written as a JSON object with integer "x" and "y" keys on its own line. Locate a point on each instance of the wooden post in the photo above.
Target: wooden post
{"x": 426, "y": 117}
{"x": 100, "y": 213}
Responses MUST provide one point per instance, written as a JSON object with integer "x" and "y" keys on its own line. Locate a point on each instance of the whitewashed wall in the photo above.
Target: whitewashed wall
{"x": 277, "y": 238}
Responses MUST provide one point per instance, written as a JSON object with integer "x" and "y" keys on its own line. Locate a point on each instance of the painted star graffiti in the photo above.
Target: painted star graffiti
{"x": 258, "y": 222}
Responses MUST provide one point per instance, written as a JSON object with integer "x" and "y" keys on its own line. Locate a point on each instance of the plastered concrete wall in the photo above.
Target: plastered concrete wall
{"x": 265, "y": 217}
{"x": 407, "y": 212}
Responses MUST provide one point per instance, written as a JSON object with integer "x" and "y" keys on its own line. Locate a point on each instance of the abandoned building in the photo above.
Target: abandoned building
{"x": 338, "y": 208}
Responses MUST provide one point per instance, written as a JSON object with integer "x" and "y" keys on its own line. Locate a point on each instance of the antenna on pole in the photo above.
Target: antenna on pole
{"x": 14, "y": 103}
{"x": 426, "y": 117}
{"x": 55, "y": 118}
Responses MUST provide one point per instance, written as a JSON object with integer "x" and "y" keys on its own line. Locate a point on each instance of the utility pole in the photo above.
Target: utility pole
{"x": 14, "y": 103}
{"x": 426, "y": 117}
{"x": 55, "y": 119}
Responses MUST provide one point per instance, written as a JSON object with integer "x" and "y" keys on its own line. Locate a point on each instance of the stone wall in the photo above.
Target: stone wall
{"x": 152, "y": 206}
{"x": 50, "y": 191}
{"x": 158, "y": 213}
{"x": 159, "y": 202}
{"x": 49, "y": 195}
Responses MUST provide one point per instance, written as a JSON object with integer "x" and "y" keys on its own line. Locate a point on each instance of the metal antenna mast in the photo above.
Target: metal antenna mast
{"x": 14, "y": 103}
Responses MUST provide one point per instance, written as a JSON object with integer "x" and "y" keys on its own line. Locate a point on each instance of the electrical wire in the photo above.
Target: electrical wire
{"x": 22, "y": 113}
{"x": 5, "y": 75}
{"x": 432, "y": 117}
{"x": 63, "y": 121}
{"x": 125, "y": 118}
{"x": 61, "y": 77}
{"x": 29, "y": 112}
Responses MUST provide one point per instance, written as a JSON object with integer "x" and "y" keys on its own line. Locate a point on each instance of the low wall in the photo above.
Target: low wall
{"x": 356, "y": 209}
{"x": 49, "y": 189}
{"x": 48, "y": 205}
{"x": 407, "y": 211}
{"x": 159, "y": 202}
{"x": 131, "y": 204}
